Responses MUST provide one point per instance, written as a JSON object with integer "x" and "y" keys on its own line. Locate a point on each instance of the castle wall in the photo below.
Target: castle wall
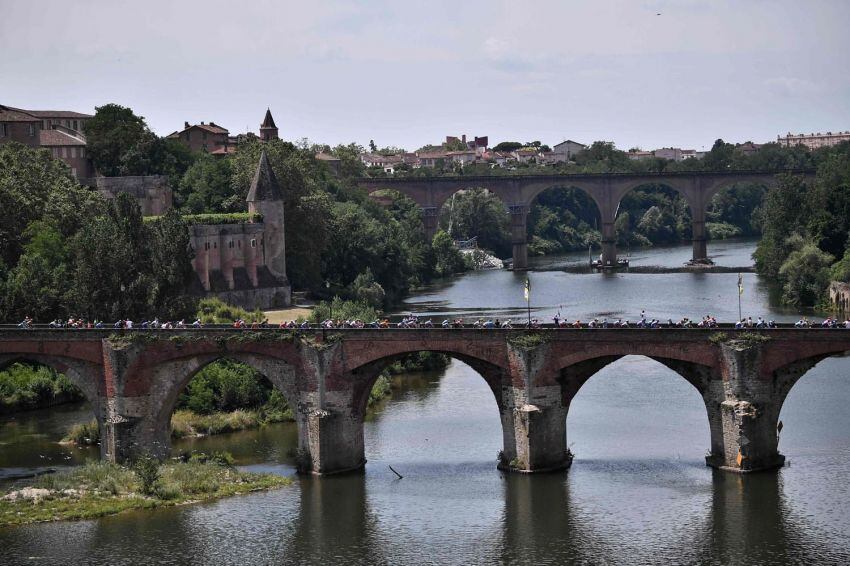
{"x": 230, "y": 264}
{"x": 151, "y": 191}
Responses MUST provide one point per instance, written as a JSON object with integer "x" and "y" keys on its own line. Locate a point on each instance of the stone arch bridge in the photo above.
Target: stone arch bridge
{"x": 133, "y": 380}
{"x": 606, "y": 189}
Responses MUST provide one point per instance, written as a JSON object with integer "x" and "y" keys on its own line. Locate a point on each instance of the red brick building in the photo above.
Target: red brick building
{"x": 59, "y": 131}
{"x": 216, "y": 140}
{"x": 210, "y": 138}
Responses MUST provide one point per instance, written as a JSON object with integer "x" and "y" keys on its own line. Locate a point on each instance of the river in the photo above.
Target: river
{"x": 638, "y": 491}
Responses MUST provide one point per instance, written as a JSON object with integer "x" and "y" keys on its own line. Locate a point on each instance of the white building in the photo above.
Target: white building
{"x": 813, "y": 141}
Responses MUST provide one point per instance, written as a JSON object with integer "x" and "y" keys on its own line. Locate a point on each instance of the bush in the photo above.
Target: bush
{"x": 84, "y": 434}
{"x": 366, "y": 290}
{"x": 23, "y": 386}
{"x": 722, "y": 230}
{"x": 215, "y": 311}
{"x": 344, "y": 310}
{"x": 146, "y": 469}
{"x": 805, "y": 274}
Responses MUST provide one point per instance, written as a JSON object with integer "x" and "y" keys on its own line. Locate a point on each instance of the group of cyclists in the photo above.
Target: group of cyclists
{"x": 413, "y": 321}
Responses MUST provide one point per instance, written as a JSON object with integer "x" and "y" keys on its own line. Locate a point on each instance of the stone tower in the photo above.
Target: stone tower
{"x": 266, "y": 198}
{"x": 268, "y": 131}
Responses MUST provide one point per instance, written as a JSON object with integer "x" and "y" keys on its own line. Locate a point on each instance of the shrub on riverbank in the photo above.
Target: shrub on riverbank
{"x": 215, "y": 311}
{"x": 83, "y": 434}
{"x": 25, "y": 387}
{"x": 100, "y": 488}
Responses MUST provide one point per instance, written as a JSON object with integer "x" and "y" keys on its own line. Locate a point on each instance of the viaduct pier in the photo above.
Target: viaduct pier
{"x": 133, "y": 380}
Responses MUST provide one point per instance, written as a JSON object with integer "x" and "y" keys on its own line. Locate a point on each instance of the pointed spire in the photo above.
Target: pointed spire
{"x": 264, "y": 186}
{"x": 268, "y": 121}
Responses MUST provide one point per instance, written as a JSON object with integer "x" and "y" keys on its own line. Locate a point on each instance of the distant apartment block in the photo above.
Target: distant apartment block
{"x": 59, "y": 131}
{"x": 813, "y": 141}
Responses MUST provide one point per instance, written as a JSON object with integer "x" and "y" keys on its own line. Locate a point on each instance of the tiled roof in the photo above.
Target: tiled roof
{"x": 326, "y": 157}
{"x": 211, "y": 128}
{"x": 9, "y": 114}
{"x": 54, "y": 138}
{"x": 223, "y": 150}
{"x": 58, "y": 114}
{"x": 431, "y": 155}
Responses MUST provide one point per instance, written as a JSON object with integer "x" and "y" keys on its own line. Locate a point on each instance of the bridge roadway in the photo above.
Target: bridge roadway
{"x": 133, "y": 379}
{"x": 606, "y": 189}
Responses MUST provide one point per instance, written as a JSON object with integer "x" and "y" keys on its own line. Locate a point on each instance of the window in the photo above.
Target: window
{"x": 3, "y": 130}
{"x": 32, "y": 130}
{"x": 253, "y": 242}
{"x": 239, "y": 244}
{"x": 207, "y": 246}
{"x": 76, "y": 126}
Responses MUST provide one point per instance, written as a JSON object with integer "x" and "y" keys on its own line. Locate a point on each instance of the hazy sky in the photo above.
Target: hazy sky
{"x": 409, "y": 73}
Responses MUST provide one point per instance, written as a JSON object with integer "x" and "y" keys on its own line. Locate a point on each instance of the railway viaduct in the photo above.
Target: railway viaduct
{"x": 133, "y": 380}
{"x": 606, "y": 189}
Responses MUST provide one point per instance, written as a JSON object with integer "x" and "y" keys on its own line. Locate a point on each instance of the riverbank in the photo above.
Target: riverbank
{"x": 98, "y": 489}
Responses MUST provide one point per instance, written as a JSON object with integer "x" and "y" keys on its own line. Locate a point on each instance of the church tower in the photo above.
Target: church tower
{"x": 266, "y": 198}
{"x": 268, "y": 131}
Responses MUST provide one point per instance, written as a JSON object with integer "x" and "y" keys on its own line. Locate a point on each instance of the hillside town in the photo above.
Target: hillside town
{"x": 62, "y": 132}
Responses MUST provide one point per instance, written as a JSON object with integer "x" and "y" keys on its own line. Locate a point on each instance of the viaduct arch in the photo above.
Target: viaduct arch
{"x": 606, "y": 190}
{"x": 133, "y": 379}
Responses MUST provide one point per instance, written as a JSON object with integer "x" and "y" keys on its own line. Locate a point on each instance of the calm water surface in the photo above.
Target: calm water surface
{"x": 638, "y": 491}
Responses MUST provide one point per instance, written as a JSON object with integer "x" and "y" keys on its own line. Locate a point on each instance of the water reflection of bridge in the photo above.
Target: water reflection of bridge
{"x": 606, "y": 189}
{"x": 133, "y": 380}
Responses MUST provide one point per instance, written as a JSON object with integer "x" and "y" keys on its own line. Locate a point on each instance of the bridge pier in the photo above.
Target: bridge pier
{"x": 700, "y": 242}
{"x": 334, "y": 441}
{"x": 743, "y": 412}
{"x": 534, "y": 417}
{"x": 535, "y": 439}
{"x": 519, "y": 236}
{"x": 430, "y": 221}
{"x": 609, "y": 243}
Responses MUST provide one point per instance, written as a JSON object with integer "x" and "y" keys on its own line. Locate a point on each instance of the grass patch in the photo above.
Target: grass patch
{"x": 83, "y": 434}
{"x": 99, "y": 488}
{"x": 185, "y": 423}
{"x": 527, "y": 342}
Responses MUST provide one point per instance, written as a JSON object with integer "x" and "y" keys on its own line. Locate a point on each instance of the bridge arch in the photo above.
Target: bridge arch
{"x": 571, "y": 201}
{"x": 365, "y": 375}
{"x": 573, "y": 379}
{"x": 664, "y": 195}
{"x": 166, "y": 381}
{"x": 86, "y": 376}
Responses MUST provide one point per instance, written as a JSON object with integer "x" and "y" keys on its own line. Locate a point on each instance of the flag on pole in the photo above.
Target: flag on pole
{"x": 527, "y": 289}
{"x": 740, "y": 284}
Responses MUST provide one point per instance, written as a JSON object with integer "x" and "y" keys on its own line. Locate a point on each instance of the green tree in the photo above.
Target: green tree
{"x": 34, "y": 186}
{"x": 478, "y": 213}
{"x": 782, "y": 214}
{"x": 447, "y": 258}
{"x": 805, "y": 274}
{"x": 125, "y": 268}
{"x": 206, "y": 187}
{"x": 111, "y": 134}
{"x": 508, "y": 146}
